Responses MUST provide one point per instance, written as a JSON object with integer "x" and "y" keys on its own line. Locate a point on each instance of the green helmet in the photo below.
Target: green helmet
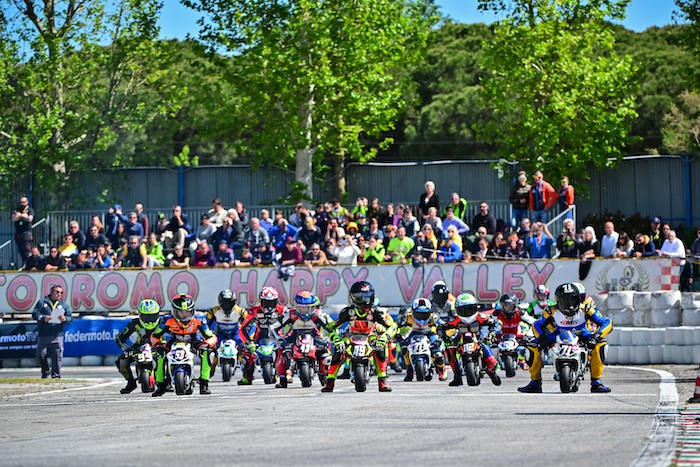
{"x": 149, "y": 314}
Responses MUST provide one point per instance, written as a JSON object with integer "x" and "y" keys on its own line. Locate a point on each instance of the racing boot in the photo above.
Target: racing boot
{"x": 204, "y": 387}
{"x": 330, "y": 384}
{"x": 161, "y": 389}
{"x": 598, "y": 386}
{"x": 130, "y": 386}
{"x": 409, "y": 373}
{"x": 491, "y": 366}
{"x": 282, "y": 383}
{"x": 532, "y": 387}
{"x": 396, "y": 367}
{"x": 383, "y": 386}
{"x": 456, "y": 381}
{"x": 442, "y": 373}
{"x": 245, "y": 382}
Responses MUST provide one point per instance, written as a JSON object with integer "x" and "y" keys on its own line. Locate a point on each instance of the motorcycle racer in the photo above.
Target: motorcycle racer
{"x": 570, "y": 313}
{"x": 304, "y": 318}
{"x": 141, "y": 328}
{"x": 362, "y": 317}
{"x": 420, "y": 320}
{"x": 261, "y": 322}
{"x": 537, "y": 307}
{"x": 509, "y": 314}
{"x": 224, "y": 320}
{"x": 183, "y": 326}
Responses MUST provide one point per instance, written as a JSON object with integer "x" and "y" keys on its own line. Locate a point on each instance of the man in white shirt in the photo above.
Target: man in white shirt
{"x": 609, "y": 240}
{"x": 673, "y": 247}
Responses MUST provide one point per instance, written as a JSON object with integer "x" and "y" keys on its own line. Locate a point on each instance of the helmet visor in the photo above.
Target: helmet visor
{"x": 422, "y": 316}
{"x": 568, "y": 304}
{"x": 305, "y": 312}
{"x": 466, "y": 311}
{"x": 268, "y": 303}
{"x": 183, "y": 315}
{"x": 365, "y": 298}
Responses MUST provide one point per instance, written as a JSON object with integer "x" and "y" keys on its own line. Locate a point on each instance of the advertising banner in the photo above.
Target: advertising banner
{"x": 396, "y": 285}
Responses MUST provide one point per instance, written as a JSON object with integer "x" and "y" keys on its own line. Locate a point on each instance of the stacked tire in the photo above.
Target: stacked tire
{"x": 620, "y": 308}
{"x": 690, "y": 303}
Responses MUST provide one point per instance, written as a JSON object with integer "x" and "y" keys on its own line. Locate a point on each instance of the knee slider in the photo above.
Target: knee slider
{"x": 529, "y": 355}
{"x": 603, "y": 350}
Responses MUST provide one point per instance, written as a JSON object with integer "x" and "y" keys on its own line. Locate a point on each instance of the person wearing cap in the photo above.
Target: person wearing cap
{"x": 519, "y": 200}
{"x": 290, "y": 256}
{"x": 656, "y": 235}
{"x": 565, "y": 195}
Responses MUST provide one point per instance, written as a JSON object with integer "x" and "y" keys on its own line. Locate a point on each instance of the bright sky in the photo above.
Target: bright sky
{"x": 178, "y": 21}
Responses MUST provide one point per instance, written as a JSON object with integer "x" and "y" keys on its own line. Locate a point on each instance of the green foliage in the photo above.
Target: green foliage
{"x": 562, "y": 99}
{"x": 183, "y": 158}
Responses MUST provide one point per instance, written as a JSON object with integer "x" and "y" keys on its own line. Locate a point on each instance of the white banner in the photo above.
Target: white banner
{"x": 396, "y": 285}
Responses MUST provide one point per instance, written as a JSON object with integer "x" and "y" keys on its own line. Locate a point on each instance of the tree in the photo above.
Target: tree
{"x": 561, "y": 98}
{"x": 682, "y": 125}
{"x": 317, "y": 77}
{"x": 78, "y": 76}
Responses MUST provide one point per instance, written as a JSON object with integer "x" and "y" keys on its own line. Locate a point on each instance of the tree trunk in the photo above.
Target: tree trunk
{"x": 339, "y": 175}
{"x": 304, "y": 169}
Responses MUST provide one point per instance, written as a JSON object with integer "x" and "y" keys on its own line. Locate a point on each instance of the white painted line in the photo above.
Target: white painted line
{"x": 661, "y": 446}
{"x": 56, "y": 391}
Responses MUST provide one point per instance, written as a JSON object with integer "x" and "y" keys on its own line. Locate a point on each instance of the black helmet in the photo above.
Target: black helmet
{"x": 183, "y": 308}
{"x": 568, "y": 298}
{"x": 227, "y": 299}
{"x": 362, "y": 295}
{"x": 440, "y": 294}
{"x": 508, "y": 304}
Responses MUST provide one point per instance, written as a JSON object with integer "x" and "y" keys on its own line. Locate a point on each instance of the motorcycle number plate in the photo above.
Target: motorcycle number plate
{"x": 359, "y": 350}
{"x": 470, "y": 347}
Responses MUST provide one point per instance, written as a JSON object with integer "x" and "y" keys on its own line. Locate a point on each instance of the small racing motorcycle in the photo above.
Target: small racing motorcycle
{"x": 508, "y": 353}
{"x": 145, "y": 367}
{"x": 359, "y": 351}
{"x": 570, "y": 360}
{"x": 228, "y": 359}
{"x": 305, "y": 361}
{"x": 267, "y": 353}
{"x": 421, "y": 357}
{"x": 181, "y": 367}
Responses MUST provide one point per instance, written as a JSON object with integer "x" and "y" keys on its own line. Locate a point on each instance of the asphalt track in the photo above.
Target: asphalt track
{"x": 424, "y": 423}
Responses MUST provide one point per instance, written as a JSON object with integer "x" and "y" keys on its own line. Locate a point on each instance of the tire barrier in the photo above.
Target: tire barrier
{"x": 654, "y": 346}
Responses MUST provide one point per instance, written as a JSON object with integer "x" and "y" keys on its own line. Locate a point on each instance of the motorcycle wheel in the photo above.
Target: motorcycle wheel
{"x": 305, "y": 374}
{"x": 226, "y": 371}
{"x": 565, "y": 379}
{"x": 145, "y": 380}
{"x": 360, "y": 382}
{"x": 419, "y": 365}
{"x": 509, "y": 365}
{"x": 472, "y": 373}
{"x": 268, "y": 375}
{"x": 180, "y": 388}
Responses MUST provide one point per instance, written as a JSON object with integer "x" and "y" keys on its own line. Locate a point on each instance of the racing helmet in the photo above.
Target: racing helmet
{"x": 421, "y": 310}
{"x": 582, "y": 290}
{"x": 269, "y": 297}
{"x": 183, "y": 308}
{"x": 508, "y": 304}
{"x": 439, "y": 294}
{"x": 149, "y": 314}
{"x": 466, "y": 305}
{"x": 541, "y": 293}
{"x": 305, "y": 303}
{"x": 361, "y": 295}
{"x": 227, "y": 300}
{"x": 568, "y": 298}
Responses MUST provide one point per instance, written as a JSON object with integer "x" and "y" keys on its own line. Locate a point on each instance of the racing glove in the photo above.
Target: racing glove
{"x": 128, "y": 353}
{"x": 383, "y": 341}
{"x": 338, "y": 343}
{"x": 250, "y": 346}
{"x": 591, "y": 343}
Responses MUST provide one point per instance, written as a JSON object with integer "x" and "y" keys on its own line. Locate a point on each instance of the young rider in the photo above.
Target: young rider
{"x": 224, "y": 320}
{"x": 139, "y": 329}
{"x": 420, "y": 321}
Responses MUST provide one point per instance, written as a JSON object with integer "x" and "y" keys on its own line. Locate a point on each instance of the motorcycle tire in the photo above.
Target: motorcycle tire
{"x": 360, "y": 381}
{"x": 565, "y": 379}
{"x": 305, "y": 374}
{"x": 180, "y": 388}
{"x": 472, "y": 373}
{"x": 226, "y": 371}
{"x": 509, "y": 365}
{"x": 145, "y": 380}
{"x": 419, "y": 368}
{"x": 267, "y": 372}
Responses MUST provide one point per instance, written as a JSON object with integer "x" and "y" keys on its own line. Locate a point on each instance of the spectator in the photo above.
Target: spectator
{"x": 673, "y": 247}
{"x": 112, "y": 222}
{"x": 449, "y": 252}
{"x": 353, "y": 230}
{"x": 458, "y": 206}
{"x": 310, "y": 234}
{"x": 665, "y": 230}
{"x": 375, "y": 251}
{"x": 280, "y": 232}
{"x": 264, "y": 255}
{"x": 452, "y": 234}
{"x": 398, "y": 215}
{"x": 434, "y": 220}
{"x": 35, "y": 261}
{"x": 290, "y": 256}
{"x": 481, "y": 233}
{"x": 23, "y": 216}
{"x": 588, "y": 250}
{"x": 519, "y": 200}
{"x": 94, "y": 238}
{"x": 452, "y": 220}
{"x": 428, "y": 199}
{"x": 400, "y": 247}
{"x": 224, "y": 256}
{"x": 539, "y": 242}
{"x": 133, "y": 226}
{"x": 497, "y": 247}
{"x": 246, "y": 258}
{"x": 374, "y": 231}
{"x": 389, "y": 216}
{"x": 180, "y": 258}
{"x": 97, "y": 222}
{"x": 346, "y": 251}
{"x": 204, "y": 232}
{"x": 655, "y": 234}
{"x": 377, "y": 211}
{"x": 265, "y": 220}
{"x": 142, "y": 219}
{"x": 203, "y": 256}
{"x": 566, "y": 242}
{"x": 327, "y": 249}
{"x": 643, "y": 246}
{"x": 409, "y": 222}
{"x": 361, "y": 207}
{"x": 80, "y": 261}
{"x": 154, "y": 251}
{"x": 78, "y": 235}
{"x": 52, "y": 315}
{"x": 217, "y": 213}
{"x": 422, "y": 252}
{"x": 180, "y": 227}
{"x": 278, "y": 215}
{"x": 122, "y": 237}
{"x": 515, "y": 247}
{"x": 55, "y": 261}
{"x": 430, "y": 236}
{"x": 609, "y": 240}
{"x": 624, "y": 246}
{"x": 321, "y": 218}
{"x": 315, "y": 256}
{"x": 482, "y": 250}
{"x": 161, "y": 228}
{"x": 484, "y": 218}
{"x": 334, "y": 231}
{"x": 542, "y": 197}
{"x": 565, "y": 195}
{"x": 237, "y": 229}
{"x": 339, "y": 212}
{"x": 298, "y": 216}
{"x": 524, "y": 229}
{"x": 223, "y": 234}
{"x": 68, "y": 248}
{"x": 102, "y": 260}
{"x": 134, "y": 256}
{"x": 242, "y": 215}
{"x": 256, "y": 236}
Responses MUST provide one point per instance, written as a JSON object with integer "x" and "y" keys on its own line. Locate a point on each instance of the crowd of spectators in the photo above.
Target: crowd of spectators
{"x": 368, "y": 232}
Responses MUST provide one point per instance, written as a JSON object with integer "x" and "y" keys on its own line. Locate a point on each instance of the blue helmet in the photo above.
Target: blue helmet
{"x": 305, "y": 304}
{"x": 421, "y": 311}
